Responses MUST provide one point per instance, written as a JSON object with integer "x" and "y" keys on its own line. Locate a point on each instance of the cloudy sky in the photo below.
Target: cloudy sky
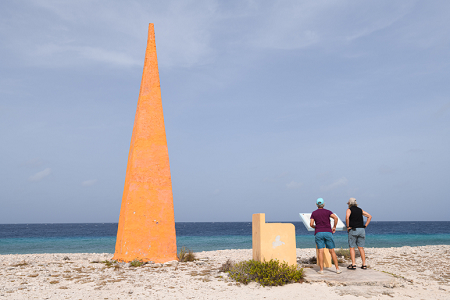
{"x": 268, "y": 105}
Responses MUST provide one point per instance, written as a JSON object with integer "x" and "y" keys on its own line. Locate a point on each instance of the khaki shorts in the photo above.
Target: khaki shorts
{"x": 356, "y": 237}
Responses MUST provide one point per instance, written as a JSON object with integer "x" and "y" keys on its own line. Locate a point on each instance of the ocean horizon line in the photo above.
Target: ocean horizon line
{"x": 298, "y": 221}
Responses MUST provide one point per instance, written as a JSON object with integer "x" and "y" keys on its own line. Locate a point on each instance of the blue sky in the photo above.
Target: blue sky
{"x": 268, "y": 105}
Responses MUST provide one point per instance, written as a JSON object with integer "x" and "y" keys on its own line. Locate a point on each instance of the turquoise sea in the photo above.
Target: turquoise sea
{"x": 203, "y": 236}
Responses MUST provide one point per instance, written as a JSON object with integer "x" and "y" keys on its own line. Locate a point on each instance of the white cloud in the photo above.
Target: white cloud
{"x": 340, "y": 182}
{"x": 56, "y": 55}
{"x": 117, "y": 33}
{"x": 188, "y": 33}
{"x": 89, "y": 182}
{"x": 40, "y": 175}
{"x": 296, "y": 25}
{"x": 294, "y": 185}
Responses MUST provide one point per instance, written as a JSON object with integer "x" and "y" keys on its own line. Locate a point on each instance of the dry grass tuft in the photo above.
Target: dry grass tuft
{"x": 226, "y": 266}
{"x": 345, "y": 253}
{"x": 186, "y": 255}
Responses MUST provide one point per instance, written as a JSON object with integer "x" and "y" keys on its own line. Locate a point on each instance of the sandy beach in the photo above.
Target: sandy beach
{"x": 417, "y": 273}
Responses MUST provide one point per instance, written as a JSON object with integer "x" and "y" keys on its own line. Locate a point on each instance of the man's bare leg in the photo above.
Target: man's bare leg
{"x": 363, "y": 255}
{"x": 320, "y": 259}
{"x": 335, "y": 260}
{"x": 352, "y": 256}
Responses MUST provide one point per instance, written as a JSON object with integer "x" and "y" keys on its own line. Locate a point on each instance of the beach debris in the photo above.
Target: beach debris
{"x": 158, "y": 265}
{"x": 20, "y": 264}
{"x": 172, "y": 263}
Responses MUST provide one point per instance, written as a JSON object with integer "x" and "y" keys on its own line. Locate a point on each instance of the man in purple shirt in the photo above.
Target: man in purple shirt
{"x": 320, "y": 221}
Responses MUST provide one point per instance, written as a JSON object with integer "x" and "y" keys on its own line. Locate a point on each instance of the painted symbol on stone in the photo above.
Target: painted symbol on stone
{"x": 277, "y": 242}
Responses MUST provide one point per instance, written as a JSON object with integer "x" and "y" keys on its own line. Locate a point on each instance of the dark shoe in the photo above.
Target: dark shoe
{"x": 363, "y": 267}
{"x": 351, "y": 267}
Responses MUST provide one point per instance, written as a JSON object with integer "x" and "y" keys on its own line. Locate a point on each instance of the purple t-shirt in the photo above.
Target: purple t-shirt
{"x": 322, "y": 219}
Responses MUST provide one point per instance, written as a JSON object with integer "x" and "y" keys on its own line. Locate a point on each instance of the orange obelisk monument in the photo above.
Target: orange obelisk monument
{"x": 147, "y": 224}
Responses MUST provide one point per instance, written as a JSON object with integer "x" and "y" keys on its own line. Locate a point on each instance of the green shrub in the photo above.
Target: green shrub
{"x": 265, "y": 273}
{"x": 109, "y": 263}
{"x": 137, "y": 263}
{"x": 186, "y": 255}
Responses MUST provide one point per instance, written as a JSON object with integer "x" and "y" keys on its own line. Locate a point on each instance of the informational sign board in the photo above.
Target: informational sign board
{"x": 307, "y": 217}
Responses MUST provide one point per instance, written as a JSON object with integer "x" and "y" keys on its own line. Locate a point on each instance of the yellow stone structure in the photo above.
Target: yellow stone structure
{"x": 326, "y": 258}
{"x": 273, "y": 240}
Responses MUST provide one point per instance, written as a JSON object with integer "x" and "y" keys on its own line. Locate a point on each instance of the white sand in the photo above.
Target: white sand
{"x": 421, "y": 273}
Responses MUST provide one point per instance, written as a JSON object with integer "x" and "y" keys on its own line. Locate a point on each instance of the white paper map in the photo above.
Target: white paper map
{"x": 307, "y": 217}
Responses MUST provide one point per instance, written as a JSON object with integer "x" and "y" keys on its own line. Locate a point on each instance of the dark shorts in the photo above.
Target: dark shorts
{"x": 324, "y": 239}
{"x": 357, "y": 237}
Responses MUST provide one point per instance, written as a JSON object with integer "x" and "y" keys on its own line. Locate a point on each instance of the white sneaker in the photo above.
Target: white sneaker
{"x": 320, "y": 272}
{"x": 338, "y": 271}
